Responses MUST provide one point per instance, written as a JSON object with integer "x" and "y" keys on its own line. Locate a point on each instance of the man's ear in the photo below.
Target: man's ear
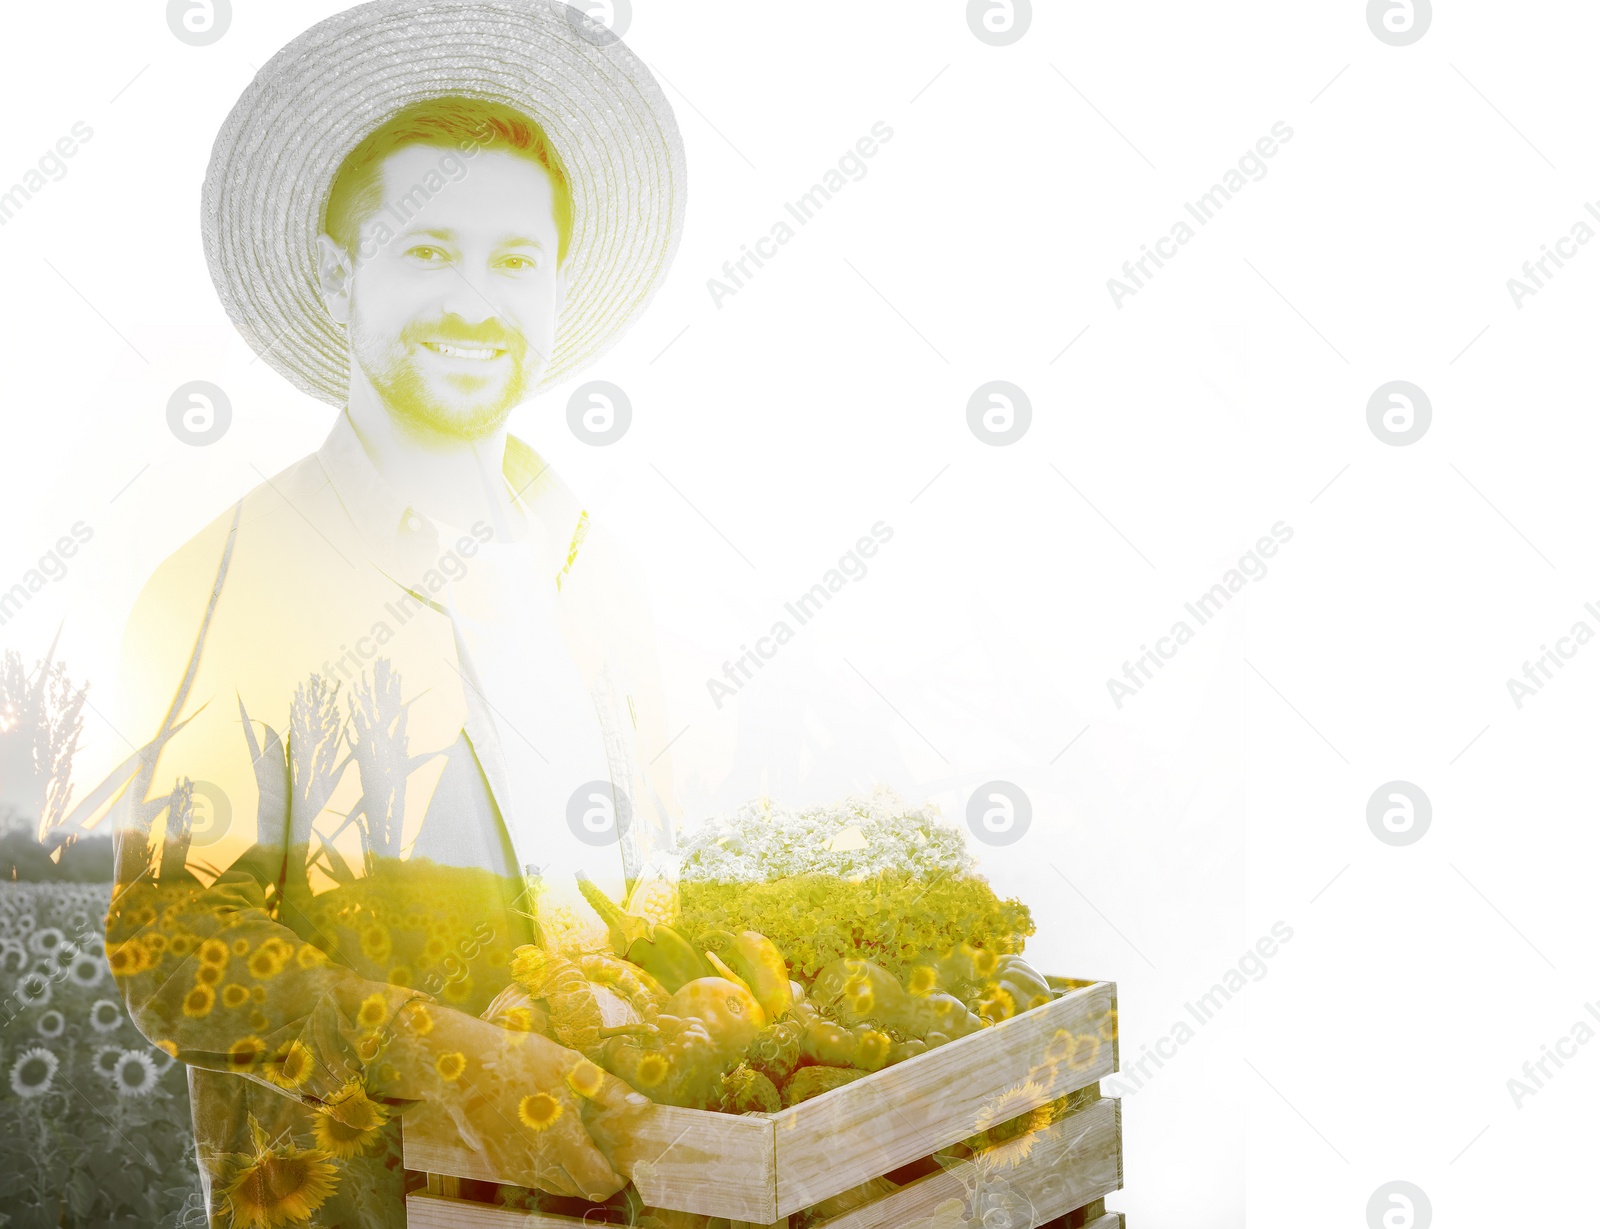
{"x": 335, "y": 272}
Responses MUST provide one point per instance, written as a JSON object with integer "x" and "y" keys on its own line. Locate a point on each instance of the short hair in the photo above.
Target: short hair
{"x": 467, "y": 124}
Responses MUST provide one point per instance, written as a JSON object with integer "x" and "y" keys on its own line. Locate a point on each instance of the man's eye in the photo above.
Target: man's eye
{"x": 431, "y": 255}
{"x": 517, "y": 262}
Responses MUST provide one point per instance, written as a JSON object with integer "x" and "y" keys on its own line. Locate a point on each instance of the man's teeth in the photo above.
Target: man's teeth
{"x": 463, "y": 351}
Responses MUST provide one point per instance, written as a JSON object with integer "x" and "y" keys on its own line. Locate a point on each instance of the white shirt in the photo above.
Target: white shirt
{"x": 504, "y": 608}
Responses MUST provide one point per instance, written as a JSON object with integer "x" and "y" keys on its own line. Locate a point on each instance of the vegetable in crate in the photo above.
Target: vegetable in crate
{"x": 869, "y": 879}
{"x": 659, "y": 950}
{"x": 811, "y": 1082}
{"x": 776, "y": 1051}
{"x": 859, "y": 990}
{"x": 1015, "y": 987}
{"x": 581, "y": 1014}
{"x": 759, "y": 964}
{"x": 680, "y": 1056}
{"x": 745, "y": 1090}
{"x": 676, "y": 1063}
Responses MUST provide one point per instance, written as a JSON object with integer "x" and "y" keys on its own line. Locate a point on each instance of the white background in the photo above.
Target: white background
{"x": 770, "y": 433}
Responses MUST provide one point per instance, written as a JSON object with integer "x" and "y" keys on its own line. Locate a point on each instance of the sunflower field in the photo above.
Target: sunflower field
{"x": 94, "y": 1121}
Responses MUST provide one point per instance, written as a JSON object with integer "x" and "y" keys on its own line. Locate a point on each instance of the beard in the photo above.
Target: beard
{"x": 425, "y": 390}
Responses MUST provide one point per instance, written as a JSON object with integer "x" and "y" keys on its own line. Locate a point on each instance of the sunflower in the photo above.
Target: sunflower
{"x": 135, "y": 1074}
{"x": 420, "y": 1019}
{"x": 538, "y": 1111}
{"x": 259, "y": 1021}
{"x": 310, "y": 956}
{"x": 180, "y": 945}
{"x": 374, "y": 1011}
{"x": 265, "y": 963}
{"x": 45, "y": 941}
{"x": 241, "y": 947}
{"x": 998, "y": 1003}
{"x": 349, "y": 1123}
{"x": 399, "y": 976}
{"x": 86, "y": 972}
{"x": 375, "y": 942}
{"x": 450, "y": 1066}
{"x": 106, "y": 1015}
{"x": 128, "y": 959}
{"x": 457, "y": 990}
{"x": 34, "y": 989}
{"x": 51, "y": 1025}
{"x": 586, "y": 1079}
{"x": 1060, "y": 1045}
{"x": 34, "y": 1072}
{"x": 291, "y": 1065}
{"x": 258, "y": 994}
{"x": 1011, "y": 1119}
{"x": 208, "y": 974}
{"x": 983, "y": 960}
{"x": 652, "y": 1069}
{"x": 276, "y": 1186}
{"x": 924, "y": 980}
{"x": 106, "y": 1059}
{"x": 214, "y": 951}
{"x": 245, "y": 1051}
{"x": 199, "y": 1001}
{"x": 235, "y": 995}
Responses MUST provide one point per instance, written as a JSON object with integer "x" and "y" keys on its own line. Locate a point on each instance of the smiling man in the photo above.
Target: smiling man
{"x": 397, "y": 697}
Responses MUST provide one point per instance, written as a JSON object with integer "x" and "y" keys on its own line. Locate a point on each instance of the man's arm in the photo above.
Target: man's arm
{"x": 222, "y": 969}
{"x": 210, "y": 972}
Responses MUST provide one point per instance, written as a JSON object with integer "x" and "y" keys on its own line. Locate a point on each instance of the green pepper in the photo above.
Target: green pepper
{"x": 659, "y": 950}
{"x": 679, "y": 1065}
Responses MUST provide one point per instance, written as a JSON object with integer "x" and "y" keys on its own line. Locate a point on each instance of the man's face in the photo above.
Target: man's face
{"x": 455, "y": 295}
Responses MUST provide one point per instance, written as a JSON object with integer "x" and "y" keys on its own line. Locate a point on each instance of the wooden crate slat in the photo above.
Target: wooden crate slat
{"x": 1060, "y": 1168}
{"x": 912, "y": 1109}
{"x": 690, "y": 1160}
{"x": 1111, "y": 1220}
{"x": 434, "y": 1212}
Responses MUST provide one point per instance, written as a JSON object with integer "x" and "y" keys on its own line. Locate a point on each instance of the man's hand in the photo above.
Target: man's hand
{"x": 523, "y": 1101}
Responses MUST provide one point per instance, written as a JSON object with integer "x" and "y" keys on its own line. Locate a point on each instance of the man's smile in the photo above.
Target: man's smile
{"x": 474, "y": 353}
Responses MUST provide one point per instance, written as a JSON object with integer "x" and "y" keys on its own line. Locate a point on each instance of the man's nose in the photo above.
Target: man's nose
{"x": 468, "y": 298}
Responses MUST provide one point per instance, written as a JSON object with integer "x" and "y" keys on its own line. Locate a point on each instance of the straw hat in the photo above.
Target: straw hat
{"x": 276, "y": 154}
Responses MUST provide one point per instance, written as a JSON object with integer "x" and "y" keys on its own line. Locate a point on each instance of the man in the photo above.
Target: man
{"x": 407, "y": 682}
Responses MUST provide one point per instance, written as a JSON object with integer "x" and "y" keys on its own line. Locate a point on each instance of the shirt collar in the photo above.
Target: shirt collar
{"x": 396, "y": 532}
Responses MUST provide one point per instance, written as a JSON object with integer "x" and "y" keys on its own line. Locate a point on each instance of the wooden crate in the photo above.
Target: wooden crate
{"x": 760, "y": 1169}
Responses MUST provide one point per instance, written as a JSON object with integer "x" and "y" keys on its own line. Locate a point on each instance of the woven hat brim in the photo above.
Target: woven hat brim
{"x": 311, "y": 104}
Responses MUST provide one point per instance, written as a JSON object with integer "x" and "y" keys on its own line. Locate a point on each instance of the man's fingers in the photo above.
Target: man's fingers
{"x": 615, "y": 1095}
{"x": 589, "y": 1170}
